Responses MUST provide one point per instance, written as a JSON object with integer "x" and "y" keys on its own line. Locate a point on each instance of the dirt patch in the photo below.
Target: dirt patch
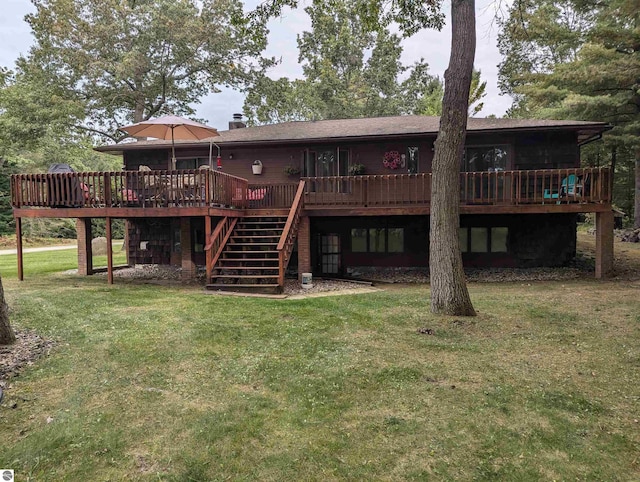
{"x": 29, "y": 346}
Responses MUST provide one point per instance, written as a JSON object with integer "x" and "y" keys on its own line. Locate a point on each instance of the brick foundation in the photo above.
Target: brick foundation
{"x": 188, "y": 265}
{"x": 304, "y": 246}
{"x": 85, "y": 255}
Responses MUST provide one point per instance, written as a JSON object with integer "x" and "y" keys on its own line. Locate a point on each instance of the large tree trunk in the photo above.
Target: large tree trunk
{"x": 7, "y": 336}
{"x": 449, "y": 294}
{"x": 636, "y": 206}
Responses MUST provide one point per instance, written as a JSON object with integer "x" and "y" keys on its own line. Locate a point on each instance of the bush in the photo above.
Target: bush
{"x": 99, "y": 228}
{"x": 49, "y": 228}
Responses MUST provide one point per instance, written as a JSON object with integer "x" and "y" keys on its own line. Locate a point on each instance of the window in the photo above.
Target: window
{"x": 198, "y": 241}
{"x": 190, "y": 163}
{"x": 499, "y": 240}
{"x": 359, "y": 240}
{"x": 395, "y": 238}
{"x": 325, "y": 163}
{"x": 485, "y": 158}
{"x": 483, "y": 240}
{"x": 377, "y": 240}
{"x": 479, "y": 240}
{"x": 412, "y": 159}
{"x": 330, "y": 253}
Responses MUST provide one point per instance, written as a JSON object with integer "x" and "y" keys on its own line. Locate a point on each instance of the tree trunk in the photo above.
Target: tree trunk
{"x": 449, "y": 294}
{"x": 7, "y": 336}
{"x": 636, "y": 206}
{"x": 614, "y": 161}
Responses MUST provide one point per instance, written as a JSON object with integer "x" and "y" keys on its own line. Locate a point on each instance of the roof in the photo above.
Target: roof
{"x": 366, "y": 128}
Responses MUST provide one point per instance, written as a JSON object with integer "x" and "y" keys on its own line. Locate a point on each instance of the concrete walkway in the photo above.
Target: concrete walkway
{"x": 38, "y": 250}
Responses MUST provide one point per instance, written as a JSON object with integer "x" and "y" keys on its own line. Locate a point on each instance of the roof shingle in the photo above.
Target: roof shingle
{"x": 364, "y": 128}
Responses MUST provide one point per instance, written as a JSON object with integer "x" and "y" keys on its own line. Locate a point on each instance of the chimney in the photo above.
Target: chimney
{"x": 237, "y": 123}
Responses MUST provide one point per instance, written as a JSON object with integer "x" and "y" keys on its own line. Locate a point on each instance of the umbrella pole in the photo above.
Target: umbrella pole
{"x": 172, "y": 165}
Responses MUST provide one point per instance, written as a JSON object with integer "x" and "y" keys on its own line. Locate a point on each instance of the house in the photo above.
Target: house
{"x": 334, "y": 196}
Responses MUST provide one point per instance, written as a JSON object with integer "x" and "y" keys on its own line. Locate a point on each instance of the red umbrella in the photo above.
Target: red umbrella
{"x": 171, "y": 127}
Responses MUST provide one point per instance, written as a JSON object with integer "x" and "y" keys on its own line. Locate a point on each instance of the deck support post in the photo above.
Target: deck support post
{"x": 188, "y": 266}
{"x": 127, "y": 226}
{"x": 85, "y": 254}
{"x": 109, "y": 251}
{"x": 304, "y": 246}
{"x": 604, "y": 244}
{"x": 207, "y": 240}
{"x": 19, "y": 248}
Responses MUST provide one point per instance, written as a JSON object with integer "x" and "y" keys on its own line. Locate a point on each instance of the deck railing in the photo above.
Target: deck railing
{"x": 202, "y": 188}
{"x": 290, "y": 231}
{"x": 273, "y": 195}
{"x": 217, "y": 241}
{"x": 128, "y": 189}
{"x": 549, "y": 186}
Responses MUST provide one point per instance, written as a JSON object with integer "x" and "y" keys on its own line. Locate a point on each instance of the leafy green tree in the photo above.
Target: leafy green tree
{"x": 449, "y": 294}
{"x": 577, "y": 59}
{"x": 349, "y": 71}
{"x": 477, "y": 92}
{"x": 7, "y": 224}
{"x": 106, "y": 63}
{"x": 423, "y": 93}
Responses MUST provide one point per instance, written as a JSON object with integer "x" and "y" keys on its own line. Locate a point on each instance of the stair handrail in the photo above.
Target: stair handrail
{"x": 219, "y": 239}
{"x": 290, "y": 231}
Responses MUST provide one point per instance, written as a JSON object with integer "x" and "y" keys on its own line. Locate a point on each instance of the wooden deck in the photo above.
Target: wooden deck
{"x": 207, "y": 192}
{"x": 213, "y": 194}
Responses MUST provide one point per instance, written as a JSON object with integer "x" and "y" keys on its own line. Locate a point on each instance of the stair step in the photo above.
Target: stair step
{"x": 254, "y": 229}
{"x": 248, "y": 260}
{"x": 235, "y": 254}
{"x": 264, "y": 288}
{"x": 232, "y": 245}
{"x": 269, "y": 268}
{"x": 263, "y": 223}
{"x": 252, "y": 236}
{"x": 246, "y": 276}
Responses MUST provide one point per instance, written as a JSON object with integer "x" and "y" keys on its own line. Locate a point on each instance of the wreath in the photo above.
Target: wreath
{"x": 391, "y": 160}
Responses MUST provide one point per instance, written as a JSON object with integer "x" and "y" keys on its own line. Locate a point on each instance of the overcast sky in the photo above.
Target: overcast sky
{"x": 217, "y": 109}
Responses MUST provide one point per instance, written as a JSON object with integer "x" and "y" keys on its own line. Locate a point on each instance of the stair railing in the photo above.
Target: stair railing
{"x": 218, "y": 240}
{"x": 290, "y": 231}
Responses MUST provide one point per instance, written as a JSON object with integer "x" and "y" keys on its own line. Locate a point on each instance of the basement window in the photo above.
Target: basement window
{"x": 377, "y": 240}
{"x": 483, "y": 239}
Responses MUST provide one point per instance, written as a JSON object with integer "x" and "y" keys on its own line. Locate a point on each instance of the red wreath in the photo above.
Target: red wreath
{"x": 391, "y": 160}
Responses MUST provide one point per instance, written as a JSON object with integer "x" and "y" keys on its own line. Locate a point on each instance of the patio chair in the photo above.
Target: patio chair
{"x": 153, "y": 187}
{"x": 570, "y": 186}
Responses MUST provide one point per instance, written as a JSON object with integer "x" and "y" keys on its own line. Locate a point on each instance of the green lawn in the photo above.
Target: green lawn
{"x": 165, "y": 383}
{"x": 49, "y": 262}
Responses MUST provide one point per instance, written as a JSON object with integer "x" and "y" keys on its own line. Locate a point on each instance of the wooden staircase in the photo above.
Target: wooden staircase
{"x": 251, "y": 253}
{"x": 250, "y": 261}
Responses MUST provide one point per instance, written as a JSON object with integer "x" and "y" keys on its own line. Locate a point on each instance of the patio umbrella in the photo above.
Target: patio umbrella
{"x": 171, "y": 127}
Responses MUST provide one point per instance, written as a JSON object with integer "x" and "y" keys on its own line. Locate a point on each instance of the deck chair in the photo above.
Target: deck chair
{"x": 570, "y": 186}
{"x": 152, "y": 185}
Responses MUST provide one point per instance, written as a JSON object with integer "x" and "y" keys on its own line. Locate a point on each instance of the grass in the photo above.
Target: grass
{"x": 49, "y": 262}
{"x": 7, "y": 242}
{"x": 164, "y": 383}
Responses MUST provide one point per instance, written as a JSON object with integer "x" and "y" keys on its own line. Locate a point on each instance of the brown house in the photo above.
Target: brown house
{"x": 346, "y": 193}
